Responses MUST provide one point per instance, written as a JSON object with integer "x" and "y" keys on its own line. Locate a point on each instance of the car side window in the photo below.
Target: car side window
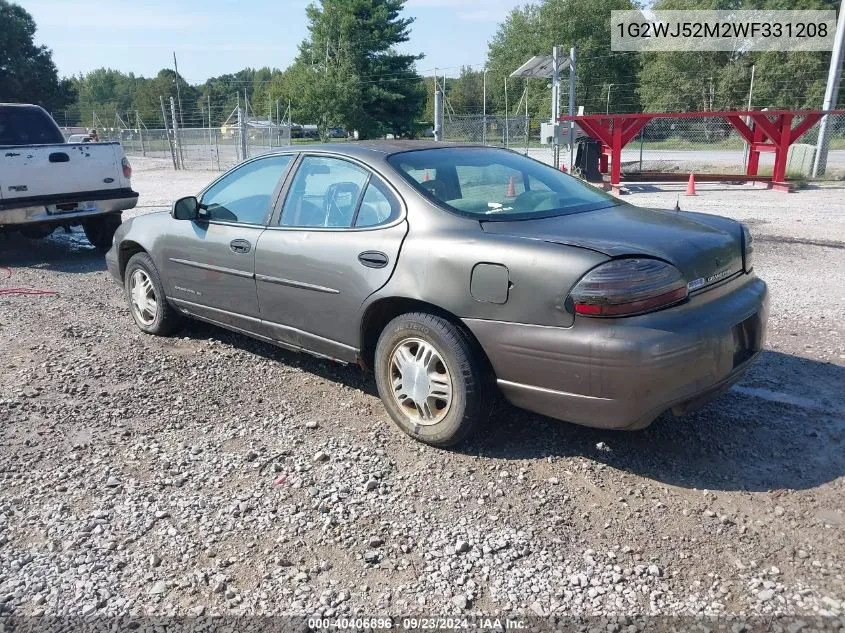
{"x": 324, "y": 193}
{"x": 245, "y": 195}
{"x": 378, "y": 206}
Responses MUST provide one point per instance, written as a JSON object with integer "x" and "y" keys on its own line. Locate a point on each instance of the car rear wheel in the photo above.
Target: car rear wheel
{"x": 100, "y": 230}
{"x": 433, "y": 379}
{"x": 145, "y": 294}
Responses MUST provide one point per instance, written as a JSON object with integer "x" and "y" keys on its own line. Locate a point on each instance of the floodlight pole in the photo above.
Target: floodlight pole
{"x": 571, "y": 105}
{"x": 830, "y": 93}
{"x": 438, "y": 115}
{"x": 484, "y": 98}
{"x": 556, "y": 101}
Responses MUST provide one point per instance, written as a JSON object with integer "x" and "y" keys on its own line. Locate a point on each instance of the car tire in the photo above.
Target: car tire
{"x": 100, "y": 230}
{"x": 143, "y": 285}
{"x": 434, "y": 352}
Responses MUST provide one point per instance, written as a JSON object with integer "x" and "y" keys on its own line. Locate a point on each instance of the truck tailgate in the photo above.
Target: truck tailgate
{"x": 47, "y": 171}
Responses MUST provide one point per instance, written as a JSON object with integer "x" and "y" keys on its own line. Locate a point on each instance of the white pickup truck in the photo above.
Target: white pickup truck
{"x": 46, "y": 183}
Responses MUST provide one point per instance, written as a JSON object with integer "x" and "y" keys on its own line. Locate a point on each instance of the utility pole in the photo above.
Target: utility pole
{"x": 831, "y": 92}
{"x": 747, "y": 120}
{"x": 527, "y": 122}
{"x": 211, "y": 151}
{"x": 484, "y": 106}
{"x": 507, "y": 115}
{"x": 167, "y": 132}
{"x": 140, "y": 132}
{"x": 176, "y": 138}
{"x": 242, "y": 124}
{"x": 178, "y": 92}
{"x": 438, "y": 115}
{"x": 571, "y": 105}
{"x": 556, "y": 103}
{"x": 240, "y": 116}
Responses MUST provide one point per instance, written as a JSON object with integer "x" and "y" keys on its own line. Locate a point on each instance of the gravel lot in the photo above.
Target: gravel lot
{"x": 209, "y": 473}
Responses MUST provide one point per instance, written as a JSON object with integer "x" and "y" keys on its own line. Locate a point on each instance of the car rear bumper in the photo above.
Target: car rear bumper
{"x": 623, "y": 373}
{"x": 48, "y": 211}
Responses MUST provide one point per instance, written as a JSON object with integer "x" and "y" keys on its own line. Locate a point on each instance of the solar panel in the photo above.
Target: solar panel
{"x": 541, "y": 66}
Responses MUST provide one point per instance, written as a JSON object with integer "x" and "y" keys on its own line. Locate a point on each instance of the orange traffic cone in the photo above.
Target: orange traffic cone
{"x": 563, "y": 168}
{"x": 691, "y": 186}
{"x": 511, "y": 192}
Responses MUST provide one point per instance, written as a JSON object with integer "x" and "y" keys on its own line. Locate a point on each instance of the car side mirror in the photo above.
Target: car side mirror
{"x": 188, "y": 208}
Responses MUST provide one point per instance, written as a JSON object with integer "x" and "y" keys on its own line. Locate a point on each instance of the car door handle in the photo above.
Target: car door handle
{"x": 59, "y": 157}
{"x": 373, "y": 259}
{"x": 240, "y": 246}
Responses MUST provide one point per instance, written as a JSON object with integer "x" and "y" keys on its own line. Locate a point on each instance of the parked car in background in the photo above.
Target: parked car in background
{"x": 452, "y": 272}
{"x": 46, "y": 182}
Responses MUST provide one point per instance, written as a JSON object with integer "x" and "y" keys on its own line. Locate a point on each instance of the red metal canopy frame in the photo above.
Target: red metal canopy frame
{"x": 771, "y": 131}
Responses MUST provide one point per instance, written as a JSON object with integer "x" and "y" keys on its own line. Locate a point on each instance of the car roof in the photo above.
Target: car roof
{"x": 375, "y": 149}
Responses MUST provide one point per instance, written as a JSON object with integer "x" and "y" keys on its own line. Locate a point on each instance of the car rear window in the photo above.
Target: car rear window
{"x": 28, "y": 126}
{"x": 495, "y": 184}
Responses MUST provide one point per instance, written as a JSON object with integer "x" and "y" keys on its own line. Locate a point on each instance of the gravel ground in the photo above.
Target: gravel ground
{"x": 212, "y": 474}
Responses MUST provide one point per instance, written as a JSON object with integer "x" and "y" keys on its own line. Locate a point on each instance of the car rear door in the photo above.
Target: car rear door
{"x": 334, "y": 241}
{"x": 210, "y": 264}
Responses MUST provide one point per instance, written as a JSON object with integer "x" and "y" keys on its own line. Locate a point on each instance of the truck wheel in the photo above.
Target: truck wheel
{"x": 100, "y": 231}
{"x": 145, "y": 294}
{"x": 432, "y": 378}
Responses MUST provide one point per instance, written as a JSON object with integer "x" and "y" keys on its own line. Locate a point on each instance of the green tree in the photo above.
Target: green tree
{"x": 350, "y": 73}
{"x": 702, "y": 81}
{"x": 27, "y": 71}
{"x": 536, "y": 29}
{"x": 106, "y": 92}
{"x": 466, "y": 93}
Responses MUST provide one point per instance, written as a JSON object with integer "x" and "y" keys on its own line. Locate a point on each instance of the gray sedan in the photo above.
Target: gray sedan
{"x": 455, "y": 273}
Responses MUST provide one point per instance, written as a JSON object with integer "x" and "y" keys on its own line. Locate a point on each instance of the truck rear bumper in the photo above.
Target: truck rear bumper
{"x": 49, "y": 211}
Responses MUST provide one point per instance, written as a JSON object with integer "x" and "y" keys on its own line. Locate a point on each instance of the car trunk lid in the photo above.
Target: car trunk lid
{"x": 705, "y": 248}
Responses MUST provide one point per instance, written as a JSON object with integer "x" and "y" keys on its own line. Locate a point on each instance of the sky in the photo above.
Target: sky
{"x": 214, "y": 37}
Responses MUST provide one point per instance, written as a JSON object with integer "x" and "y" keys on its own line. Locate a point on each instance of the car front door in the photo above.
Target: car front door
{"x": 211, "y": 262}
{"x": 334, "y": 242}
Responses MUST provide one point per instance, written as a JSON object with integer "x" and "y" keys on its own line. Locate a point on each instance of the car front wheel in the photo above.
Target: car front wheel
{"x": 433, "y": 379}
{"x": 145, "y": 294}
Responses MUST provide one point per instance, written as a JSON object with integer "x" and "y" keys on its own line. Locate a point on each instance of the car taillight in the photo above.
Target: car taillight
{"x": 127, "y": 168}
{"x": 624, "y": 287}
{"x": 747, "y": 250}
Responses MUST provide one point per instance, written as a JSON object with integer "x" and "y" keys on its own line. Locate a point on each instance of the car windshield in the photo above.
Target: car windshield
{"x": 494, "y": 184}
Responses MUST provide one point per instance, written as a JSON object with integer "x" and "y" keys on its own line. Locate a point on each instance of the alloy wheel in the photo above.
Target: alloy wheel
{"x": 420, "y": 381}
{"x": 143, "y": 297}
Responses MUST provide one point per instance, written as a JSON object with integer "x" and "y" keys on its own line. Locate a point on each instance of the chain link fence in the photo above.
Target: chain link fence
{"x": 683, "y": 145}
{"x": 665, "y": 145}
{"x": 215, "y": 149}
